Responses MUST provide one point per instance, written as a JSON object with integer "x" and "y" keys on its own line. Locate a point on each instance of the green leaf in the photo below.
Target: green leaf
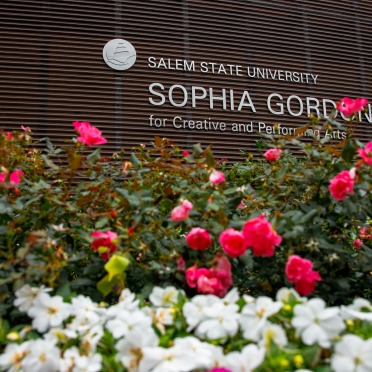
{"x": 94, "y": 156}
{"x": 101, "y": 223}
{"x": 348, "y": 152}
{"x": 134, "y": 160}
{"x": 116, "y": 265}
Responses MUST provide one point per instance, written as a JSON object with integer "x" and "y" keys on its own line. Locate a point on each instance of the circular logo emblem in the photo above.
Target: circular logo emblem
{"x": 119, "y": 54}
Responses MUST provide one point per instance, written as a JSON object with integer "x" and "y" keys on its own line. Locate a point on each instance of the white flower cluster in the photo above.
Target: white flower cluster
{"x": 72, "y": 332}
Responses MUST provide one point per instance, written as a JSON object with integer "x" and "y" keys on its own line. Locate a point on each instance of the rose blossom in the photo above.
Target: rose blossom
{"x": 341, "y": 185}
{"x": 181, "y": 212}
{"x": 232, "y": 242}
{"x": 216, "y": 280}
{"x": 198, "y": 239}
{"x": 272, "y": 154}
{"x": 357, "y": 243}
{"x": 216, "y": 177}
{"x": 89, "y": 134}
{"x": 366, "y": 153}
{"x": 259, "y": 234}
{"x": 349, "y": 106}
{"x": 185, "y": 153}
{"x": 9, "y": 136}
{"x": 300, "y": 271}
{"x": 106, "y": 240}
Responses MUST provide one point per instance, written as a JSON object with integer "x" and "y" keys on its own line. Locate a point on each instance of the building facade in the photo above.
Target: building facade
{"x": 215, "y": 72}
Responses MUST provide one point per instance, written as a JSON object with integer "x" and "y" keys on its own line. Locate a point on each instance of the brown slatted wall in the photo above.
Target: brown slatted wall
{"x": 52, "y": 71}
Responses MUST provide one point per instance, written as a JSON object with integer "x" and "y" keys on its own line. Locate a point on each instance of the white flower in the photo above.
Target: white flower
{"x": 26, "y": 296}
{"x": 74, "y": 362}
{"x": 164, "y": 297}
{"x": 231, "y": 297}
{"x": 127, "y": 301}
{"x": 13, "y": 355}
{"x": 44, "y": 356}
{"x": 254, "y": 316}
{"x": 130, "y": 348}
{"x": 354, "y": 311}
{"x": 193, "y": 311}
{"x": 174, "y": 359}
{"x": 48, "y": 312}
{"x": 204, "y": 354}
{"x": 91, "y": 338}
{"x": 247, "y": 360}
{"x": 317, "y": 324}
{"x": 284, "y": 293}
{"x": 273, "y": 333}
{"x": 126, "y": 321}
{"x": 221, "y": 321}
{"x": 352, "y": 354}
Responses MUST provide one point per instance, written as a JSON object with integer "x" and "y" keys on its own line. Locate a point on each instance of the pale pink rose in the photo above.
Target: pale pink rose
{"x": 106, "y": 240}
{"x": 233, "y": 242}
{"x": 300, "y": 271}
{"x": 260, "y": 235}
{"x": 89, "y": 134}
{"x": 272, "y": 154}
{"x": 349, "y": 106}
{"x": 181, "y": 264}
{"x": 26, "y": 129}
{"x": 341, "y": 185}
{"x": 366, "y": 153}
{"x": 357, "y": 243}
{"x": 181, "y": 212}
{"x": 15, "y": 177}
{"x": 216, "y": 177}
{"x": 198, "y": 239}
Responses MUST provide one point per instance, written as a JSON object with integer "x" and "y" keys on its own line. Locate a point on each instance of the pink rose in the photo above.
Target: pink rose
{"x": 9, "y": 136}
{"x": 357, "y": 243}
{"x": 15, "y": 177}
{"x": 198, "y": 239}
{"x": 221, "y": 269}
{"x": 89, "y": 134}
{"x": 104, "y": 241}
{"x": 181, "y": 212}
{"x": 185, "y": 153}
{"x": 349, "y": 106}
{"x": 220, "y": 369}
{"x": 259, "y": 234}
{"x": 233, "y": 242}
{"x": 366, "y": 153}
{"x": 341, "y": 185}
{"x": 2, "y": 177}
{"x": 216, "y": 280}
{"x": 216, "y": 177}
{"x": 272, "y": 154}
{"x": 300, "y": 271}
{"x": 26, "y": 129}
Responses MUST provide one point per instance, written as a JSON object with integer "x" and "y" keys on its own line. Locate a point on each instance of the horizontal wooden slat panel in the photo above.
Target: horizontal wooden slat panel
{"x": 52, "y": 71}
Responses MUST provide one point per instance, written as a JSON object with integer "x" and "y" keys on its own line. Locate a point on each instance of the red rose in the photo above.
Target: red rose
{"x": 300, "y": 271}
{"x": 198, "y": 239}
{"x": 104, "y": 243}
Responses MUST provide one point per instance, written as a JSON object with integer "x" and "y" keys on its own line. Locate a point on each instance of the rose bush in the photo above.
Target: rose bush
{"x": 83, "y": 224}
